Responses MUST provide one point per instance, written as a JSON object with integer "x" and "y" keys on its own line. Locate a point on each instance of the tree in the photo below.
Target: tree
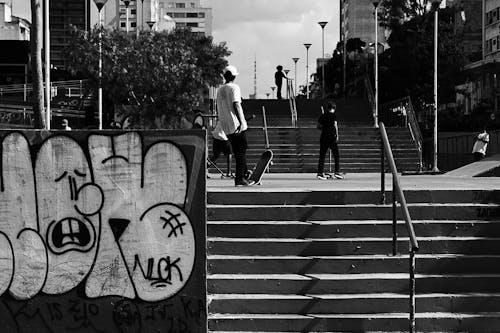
{"x": 36, "y": 39}
{"x": 162, "y": 73}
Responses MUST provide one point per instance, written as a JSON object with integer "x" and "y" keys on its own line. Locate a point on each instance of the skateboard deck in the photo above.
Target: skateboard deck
{"x": 261, "y": 166}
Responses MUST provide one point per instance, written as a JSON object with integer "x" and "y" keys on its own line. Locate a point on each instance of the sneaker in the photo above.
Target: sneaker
{"x": 244, "y": 182}
{"x": 321, "y": 176}
{"x": 338, "y": 176}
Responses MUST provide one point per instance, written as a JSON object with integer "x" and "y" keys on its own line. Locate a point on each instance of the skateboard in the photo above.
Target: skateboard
{"x": 261, "y": 166}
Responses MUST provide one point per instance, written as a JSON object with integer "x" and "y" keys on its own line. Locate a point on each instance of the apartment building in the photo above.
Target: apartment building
{"x": 359, "y": 21}
{"x": 12, "y": 27}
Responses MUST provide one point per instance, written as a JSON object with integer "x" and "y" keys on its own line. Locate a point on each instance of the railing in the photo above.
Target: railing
{"x": 291, "y": 98}
{"x": 397, "y": 193}
{"x": 265, "y": 127}
{"x": 370, "y": 95}
{"x": 400, "y": 113}
{"x": 73, "y": 88}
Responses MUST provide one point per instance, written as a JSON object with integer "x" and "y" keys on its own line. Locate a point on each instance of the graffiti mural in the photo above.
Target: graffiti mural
{"x": 102, "y": 231}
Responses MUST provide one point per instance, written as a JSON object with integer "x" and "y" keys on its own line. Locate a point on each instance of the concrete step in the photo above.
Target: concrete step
{"x": 349, "y": 246}
{"x": 333, "y": 197}
{"x": 295, "y": 284}
{"x": 351, "y": 303}
{"x": 353, "y": 264}
{"x": 349, "y": 229}
{"x": 418, "y": 211}
{"x": 373, "y": 322}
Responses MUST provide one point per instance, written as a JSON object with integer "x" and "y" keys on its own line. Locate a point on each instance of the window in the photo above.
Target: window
{"x": 193, "y": 5}
{"x": 133, "y": 12}
{"x": 192, "y": 15}
{"x": 122, "y": 24}
{"x": 180, "y": 5}
{"x": 201, "y": 15}
{"x": 133, "y": 24}
{"x": 180, "y": 24}
{"x": 192, "y": 24}
{"x": 179, "y": 15}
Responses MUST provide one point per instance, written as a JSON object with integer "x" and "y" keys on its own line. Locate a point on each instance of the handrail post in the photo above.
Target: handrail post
{"x": 382, "y": 172}
{"x": 394, "y": 221}
{"x": 412, "y": 290}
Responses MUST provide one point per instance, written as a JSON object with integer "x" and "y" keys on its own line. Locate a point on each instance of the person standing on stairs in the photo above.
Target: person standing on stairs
{"x": 327, "y": 123}
{"x": 278, "y": 79}
{"x": 233, "y": 123}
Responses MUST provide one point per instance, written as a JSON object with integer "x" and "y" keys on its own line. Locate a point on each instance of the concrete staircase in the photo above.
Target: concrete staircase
{"x": 317, "y": 261}
{"x": 297, "y": 149}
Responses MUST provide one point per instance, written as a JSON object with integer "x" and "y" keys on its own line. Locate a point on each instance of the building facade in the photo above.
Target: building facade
{"x": 158, "y": 15}
{"x": 12, "y": 27}
{"x": 359, "y": 21}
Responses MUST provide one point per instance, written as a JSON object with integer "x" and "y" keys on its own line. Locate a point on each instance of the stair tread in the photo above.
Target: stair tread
{"x": 339, "y": 276}
{"x": 401, "y": 295}
{"x": 403, "y": 315}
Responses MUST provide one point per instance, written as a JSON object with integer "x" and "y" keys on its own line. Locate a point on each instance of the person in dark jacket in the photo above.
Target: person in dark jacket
{"x": 327, "y": 123}
{"x": 278, "y": 79}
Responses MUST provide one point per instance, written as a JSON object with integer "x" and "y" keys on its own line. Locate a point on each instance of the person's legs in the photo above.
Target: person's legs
{"x": 278, "y": 91}
{"x": 239, "y": 146}
{"x": 334, "y": 147}
{"x": 323, "y": 147}
{"x": 478, "y": 157}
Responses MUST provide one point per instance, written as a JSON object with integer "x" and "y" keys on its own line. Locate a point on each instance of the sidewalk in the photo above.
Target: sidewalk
{"x": 355, "y": 181}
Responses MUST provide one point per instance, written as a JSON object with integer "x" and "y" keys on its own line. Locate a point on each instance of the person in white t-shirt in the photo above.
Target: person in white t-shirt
{"x": 233, "y": 123}
{"x": 479, "y": 149}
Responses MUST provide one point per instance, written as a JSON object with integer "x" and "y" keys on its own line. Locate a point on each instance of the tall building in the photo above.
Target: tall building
{"x": 359, "y": 21}
{"x": 63, "y": 15}
{"x": 481, "y": 90}
{"x": 12, "y": 27}
{"x": 156, "y": 15}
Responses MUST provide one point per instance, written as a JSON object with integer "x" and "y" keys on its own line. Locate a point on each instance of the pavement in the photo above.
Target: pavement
{"x": 355, "y": 181}
{"x": 485, "y": 166}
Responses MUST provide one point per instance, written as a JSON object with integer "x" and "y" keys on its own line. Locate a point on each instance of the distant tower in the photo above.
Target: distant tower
{"x": 255, "y": 76}
{"x": 254, "y": 95}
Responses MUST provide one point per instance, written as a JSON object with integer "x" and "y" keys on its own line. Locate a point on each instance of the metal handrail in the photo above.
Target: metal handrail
{"x": 265, "y": 126}
{"x": 291, "y": 99}
{"x": 396, "y": 189}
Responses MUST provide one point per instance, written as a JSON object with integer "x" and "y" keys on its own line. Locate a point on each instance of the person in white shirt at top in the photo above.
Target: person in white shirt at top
{"x": 233, "y": 123}
{"x": 479, "y": 149}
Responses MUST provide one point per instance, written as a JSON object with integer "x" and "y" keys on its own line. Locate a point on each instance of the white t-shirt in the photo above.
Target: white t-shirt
{"x": 481, "y": 143}
{"x": 226, "y": 96}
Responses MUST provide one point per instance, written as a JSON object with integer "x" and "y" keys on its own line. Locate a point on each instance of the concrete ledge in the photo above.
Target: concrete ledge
{"x": 488, "y": 167}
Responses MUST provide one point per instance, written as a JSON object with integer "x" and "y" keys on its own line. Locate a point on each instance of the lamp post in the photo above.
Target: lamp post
{"x": 273, "y": 88}
{"x": 307, "y": 45}
{"x": 435, "y": 5}
{"x": 151, "y": 24}
{"x": 142, "y": 14}
{"x": 287, "y": 90}
{"x": 295, "y": 61}
{"x": 127, "y": 3}
{"x": 100, "y": 4}
{"x": 375, "y": 114}
{"x": 48, "y": 93}
{"x": 322, "y": 24}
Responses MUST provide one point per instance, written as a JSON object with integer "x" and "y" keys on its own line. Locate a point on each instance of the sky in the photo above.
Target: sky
{"x": 272, "y": 31}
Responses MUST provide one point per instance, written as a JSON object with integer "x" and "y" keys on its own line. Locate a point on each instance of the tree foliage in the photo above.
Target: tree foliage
{"x": 162, "y": 73}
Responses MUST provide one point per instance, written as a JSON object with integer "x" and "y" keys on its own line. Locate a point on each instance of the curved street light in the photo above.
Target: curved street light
{"x": 307, "y": 45}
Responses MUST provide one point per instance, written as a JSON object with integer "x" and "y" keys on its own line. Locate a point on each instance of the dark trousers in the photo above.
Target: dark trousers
{"x": 278, "y": 90}
{"x": 239, "y": 144}
{"x": 478, "y": 157}
{"x": 325, "y": 144}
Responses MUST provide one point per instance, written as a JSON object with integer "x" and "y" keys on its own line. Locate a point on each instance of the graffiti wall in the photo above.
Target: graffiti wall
{"x": 102, "y": 231}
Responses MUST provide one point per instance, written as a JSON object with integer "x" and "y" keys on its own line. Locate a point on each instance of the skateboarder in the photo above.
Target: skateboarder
{"x": 327, "y": 123}
{"x": 479, "y": 149}
{"x": 233, "y": 123}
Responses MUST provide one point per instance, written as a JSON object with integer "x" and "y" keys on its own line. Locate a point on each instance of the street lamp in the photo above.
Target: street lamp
{"x": 48, "y": 92}
{"x": 435, "y": 7}
{"x": 151, "y": 24}
{"x": 287, "y": 90}
{"x": 375, "y": 114}
{"x": 142, "y": 14}
{"x": 307, "y": 45}
{"x": 100, "y": 4}
{"x": 273, "y": 88}
{"x": 127, "y": 3}
{"x": 322, "y": 25}
{"x": 295, "y": 61}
